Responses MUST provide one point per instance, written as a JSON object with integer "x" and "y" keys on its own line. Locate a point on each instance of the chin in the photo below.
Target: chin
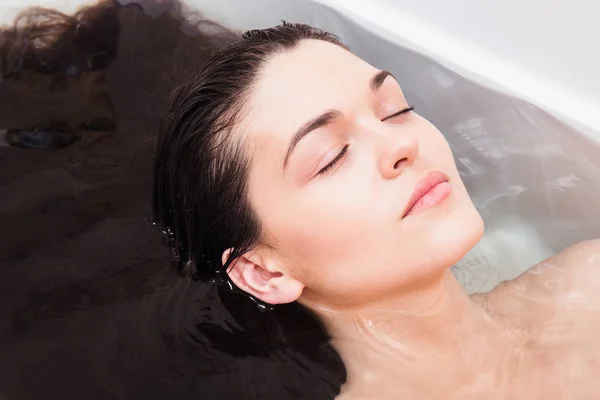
{"x": 458, "y": 236}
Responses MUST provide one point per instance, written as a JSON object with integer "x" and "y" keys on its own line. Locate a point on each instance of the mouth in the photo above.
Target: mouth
{"x": 430, "y": 190}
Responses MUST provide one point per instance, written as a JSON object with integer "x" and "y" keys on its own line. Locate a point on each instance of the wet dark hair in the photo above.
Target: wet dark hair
{"x": 49, "y": 42}
{"x": 115, "y": 314}
{"x": 201, "y": 170}
{"x": 200, "y": 201}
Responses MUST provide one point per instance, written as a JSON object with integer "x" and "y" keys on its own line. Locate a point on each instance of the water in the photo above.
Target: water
{"x": 91, "y": 305}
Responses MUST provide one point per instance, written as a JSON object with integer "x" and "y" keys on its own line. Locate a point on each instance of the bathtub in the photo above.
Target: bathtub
{"x": 520, "y": 112}
{"x": 517, "y": 102}
{"x": 80, "y": 259}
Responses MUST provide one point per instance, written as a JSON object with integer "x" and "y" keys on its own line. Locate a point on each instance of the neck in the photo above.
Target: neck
{"x": 432, "y": 337}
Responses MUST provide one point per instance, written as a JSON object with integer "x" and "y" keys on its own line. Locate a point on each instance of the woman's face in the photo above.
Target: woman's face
{"x": 331, "y": 201}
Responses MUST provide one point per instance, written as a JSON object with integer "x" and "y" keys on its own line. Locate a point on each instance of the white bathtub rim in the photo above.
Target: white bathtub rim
{"x": 474, "y": 62}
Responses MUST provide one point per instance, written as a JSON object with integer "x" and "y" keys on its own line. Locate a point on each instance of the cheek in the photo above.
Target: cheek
{"x": 445, "y": 151}
{"x": 318, "y": 231}
{"x": 327, "y": 223}
{"x": 434, "y": 147}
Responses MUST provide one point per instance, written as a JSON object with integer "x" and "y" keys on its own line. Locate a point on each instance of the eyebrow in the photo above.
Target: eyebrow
{"x": 378, "y": 79}
{"x": 329, "y": 116}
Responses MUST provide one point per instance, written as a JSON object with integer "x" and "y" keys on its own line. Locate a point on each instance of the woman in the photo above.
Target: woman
{"x": 302, "y": 172}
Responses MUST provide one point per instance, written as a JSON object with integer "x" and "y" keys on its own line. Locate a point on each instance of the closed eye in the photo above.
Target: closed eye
{"x": 342, "y": 153}
{"x": 401, "y": 112}
{"x": 334, "y": 161}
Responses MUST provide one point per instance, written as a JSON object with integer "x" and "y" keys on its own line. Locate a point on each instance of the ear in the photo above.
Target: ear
{"x": 257, "y": 274}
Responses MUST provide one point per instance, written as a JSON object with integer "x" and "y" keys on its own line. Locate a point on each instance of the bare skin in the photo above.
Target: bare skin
{"x": 535, "y": 337}
{"x": 335, "y": 237}
{"x": 553, "y": 312}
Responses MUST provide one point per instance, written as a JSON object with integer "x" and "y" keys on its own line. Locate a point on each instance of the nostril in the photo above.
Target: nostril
{"x": 397, "y": 163}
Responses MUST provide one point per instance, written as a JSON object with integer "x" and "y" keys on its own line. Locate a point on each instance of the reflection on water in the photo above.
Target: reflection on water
{"x": 90, "y": 304}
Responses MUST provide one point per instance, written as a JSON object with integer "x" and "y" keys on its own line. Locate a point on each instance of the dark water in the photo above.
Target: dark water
{"x": 91, "y": 306}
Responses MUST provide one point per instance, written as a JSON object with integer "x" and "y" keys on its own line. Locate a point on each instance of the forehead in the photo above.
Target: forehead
{"x": 300, "y": 84}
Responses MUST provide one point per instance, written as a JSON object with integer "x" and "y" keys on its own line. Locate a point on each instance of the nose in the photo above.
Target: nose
{"x": 398, "y": 152}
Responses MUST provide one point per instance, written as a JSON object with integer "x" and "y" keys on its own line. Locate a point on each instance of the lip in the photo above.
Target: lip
{"x": 424, "y": 186}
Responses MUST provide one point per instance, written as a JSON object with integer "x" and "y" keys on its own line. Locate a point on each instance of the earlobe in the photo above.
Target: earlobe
{"x": 251, "y": 274}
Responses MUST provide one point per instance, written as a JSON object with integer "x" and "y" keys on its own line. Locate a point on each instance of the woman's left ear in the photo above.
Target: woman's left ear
{"x": 256, "y": 273}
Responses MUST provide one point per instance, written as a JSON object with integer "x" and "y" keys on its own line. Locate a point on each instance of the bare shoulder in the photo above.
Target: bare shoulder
{"x": 574, "y": 273}
{"x": 578, "y": 265}
{"x": 580, "y": 255}
{"x": 557, "y": 301}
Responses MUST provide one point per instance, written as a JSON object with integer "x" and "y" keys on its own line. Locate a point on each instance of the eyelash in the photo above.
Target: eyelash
{"x": 334, "y": 161}
{"x": 345, "y": 149}
{"x": 405, "y": 111}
